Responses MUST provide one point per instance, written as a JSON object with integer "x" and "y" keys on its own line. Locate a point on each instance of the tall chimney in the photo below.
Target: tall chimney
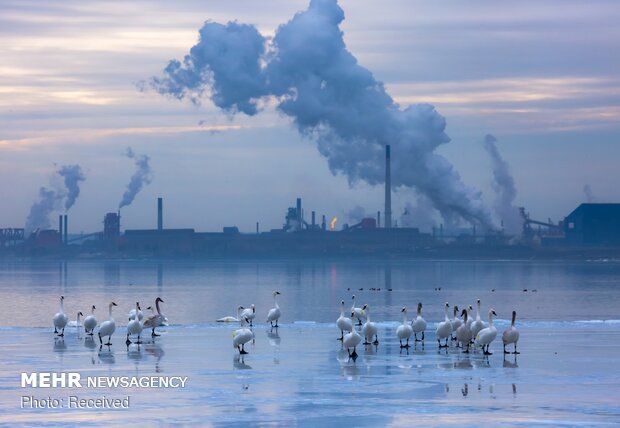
{"x": 160, "y": 214}
{"x": 299, "y": 216}
{"x": 65, "y": 230}
{"x": 378, "y": 218}
{"x": 323, "y": 224}
{"x": 388, "y": 188}
{"x": 60, "y": 228}
{"x": 257, "y": 230}
{"x": 313, "y": 219}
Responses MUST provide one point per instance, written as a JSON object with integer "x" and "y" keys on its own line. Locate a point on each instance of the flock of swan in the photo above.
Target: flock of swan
{"x": 137, "y": 322}
{"x": 464, "y": 330}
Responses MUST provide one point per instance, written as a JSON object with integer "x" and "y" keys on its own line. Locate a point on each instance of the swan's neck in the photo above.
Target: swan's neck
{"x": 92, "y": 311}
{"x": 404, "y": 318}
{"x": 78, "y": 318}
{"x": 419, "y": 312}
{"x": 367, "y": 315}
{"x": 275, "y": 301}
{"x": 465, "y": 318}
{"x": 353, "y": 307}
{"x": 477, "y": 311}
{"x": 445, "y": 312}
{"x": 514, "y": 318}
{"x": 342, "y": 310}
{"x": 490, "y": 320}
{"x": 110, "y": 310}
{"x": 62, "y": 305}
{"x": 157, "y": 306}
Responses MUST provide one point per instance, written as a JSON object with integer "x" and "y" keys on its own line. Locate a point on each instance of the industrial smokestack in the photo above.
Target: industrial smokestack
{"x": 378, "y": 218}
{"x": 299, "y": 217}
{"x": 65, "y": 229}
{"x": 323, "y": 225}
{"x": 388, "y": 188}
{"x": 60, "y": 227}
{"x": 313, "y": 219}
{"x": 160, "y": 214}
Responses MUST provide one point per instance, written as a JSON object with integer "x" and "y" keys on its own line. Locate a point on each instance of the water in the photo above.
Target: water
{"x": 298, "y": 375}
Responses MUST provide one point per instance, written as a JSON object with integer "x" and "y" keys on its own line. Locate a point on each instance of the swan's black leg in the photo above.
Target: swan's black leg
{"x": 341, "y": 335}
{"x": 127, "y": 342}
{"x": 55, "y": 330}
{"x": 422, "y": 336}
{"x": 243, "y": 351}
{"x": 62, "y": 334}
{"x": 109, "y": 340}
{"x": 100, "y": 341}
{"x": 139, "y": 341}
{"x": 506, "y": 352}
{"x": 376, "y": 342}
{"x": 515, "y": 352}
{"x": 153, "y": 334}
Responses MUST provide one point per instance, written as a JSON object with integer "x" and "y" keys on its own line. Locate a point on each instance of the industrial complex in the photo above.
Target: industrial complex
{"x": 591, "y": 230}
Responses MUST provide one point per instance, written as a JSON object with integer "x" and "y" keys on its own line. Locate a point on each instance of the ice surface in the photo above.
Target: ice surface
{"x": 299, "y": 375}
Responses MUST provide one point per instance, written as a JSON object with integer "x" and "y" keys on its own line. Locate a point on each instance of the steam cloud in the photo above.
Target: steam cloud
{"x": 50, "y": 199}
{"x": 504, "y": 186}
{"x": 143, "y": 176}
{"x": 72, "y": 175}
{"x": 307, "y": 69}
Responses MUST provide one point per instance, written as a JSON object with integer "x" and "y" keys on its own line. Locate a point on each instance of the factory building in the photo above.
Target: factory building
{"x": 594, "y": 225}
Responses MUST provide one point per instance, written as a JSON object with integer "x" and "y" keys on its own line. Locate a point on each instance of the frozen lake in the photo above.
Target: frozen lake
{"x": 298, "y": 375}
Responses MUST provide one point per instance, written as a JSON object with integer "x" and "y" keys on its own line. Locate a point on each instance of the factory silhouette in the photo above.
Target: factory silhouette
{"x": 591, "y": 230}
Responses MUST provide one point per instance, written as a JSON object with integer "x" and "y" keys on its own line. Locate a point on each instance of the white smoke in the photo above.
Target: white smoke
{"x": 504, "y": 186}
{"x": 143, "y": 176}
{"x": 72, "y": 175}
{"x": 307, "y": 69}
{"x": 421, "y": 215}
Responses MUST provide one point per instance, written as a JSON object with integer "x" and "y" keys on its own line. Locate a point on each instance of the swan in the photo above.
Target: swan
{"x": 487, "y": 335}
{"x": 134, "y": 327}
{"x": 61, "y": 319}
{"x": 470, "y": 319}
{"x": 90, "y": 322}
{"x": 249, "y": 314}
{"x": 444, "y": 328}
{"x": 359, "y": 312}
{"x": 351, "y": 340}
{"x": 456, "y": 321}
{"x": 76, "y": 323}
{"x": 133, "y": 312}
{"x": 343, "y": 323}
{"x": 463, "y": 333}
{"x": 404, "y": 331}
{"x": 419, "y": 324}
{"x": 274, "y": 313}
{"x": 511, "y": 334}
{"x": 107, "y": 327}
{"x": 370, "y": 329}
{"x": 155, "y": 320}
{"x": 227, "y": 319}
{"x": 243, "y": 335}
{"x": 477, "y": 325}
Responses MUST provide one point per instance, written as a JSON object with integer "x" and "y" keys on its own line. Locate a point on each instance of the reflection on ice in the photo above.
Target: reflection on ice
{"x": 239, "y": 363}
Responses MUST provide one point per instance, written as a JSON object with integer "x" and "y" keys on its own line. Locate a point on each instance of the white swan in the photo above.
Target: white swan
{"x": 228, "y": 318}
{"x": 477, "y": 325}
{"x": 243, "y": 335}
{"x": 155, "y": 320}
{"x": 463, "y": 333}
{"x": 274, "y": 313}
{"x": 456, "y": 321}
{"x": 76, "y": 323}
{"x": 487, "y": 335}
{"x": 358, "y": 312}
{"x": 511, "y": 334}
{"x": 419, "y": 324}
{"x": 133, "y": 312}
{"x": 107, "y": 327}
{"x": 61, "y": 319}
{"x": 369, "y": 329}
{"x": 470, "y": 319}
{"x": 444, "y": 328}
{"x": 90, "y": 322}
{"x": 351, "y": 340}
{"x": 404, "y": 331}
{"x": 343, "y": 323}
{"x": 249, "y": 314}
{"x": 134, "y": 327}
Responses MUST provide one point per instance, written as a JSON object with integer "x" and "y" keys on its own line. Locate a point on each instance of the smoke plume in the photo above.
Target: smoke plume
{"x": 72, "y": 175}
{"x": 504, "y": 186}
{"x": 588, "y": 194}
{"x": 421, "y": 215}
{"x": 139, "y": 179}
{"x": 308, "y": 71}
{"x": 38, "y": 218}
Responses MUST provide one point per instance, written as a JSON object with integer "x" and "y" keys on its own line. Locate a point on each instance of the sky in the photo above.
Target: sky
{"x": 541, "y": 77}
